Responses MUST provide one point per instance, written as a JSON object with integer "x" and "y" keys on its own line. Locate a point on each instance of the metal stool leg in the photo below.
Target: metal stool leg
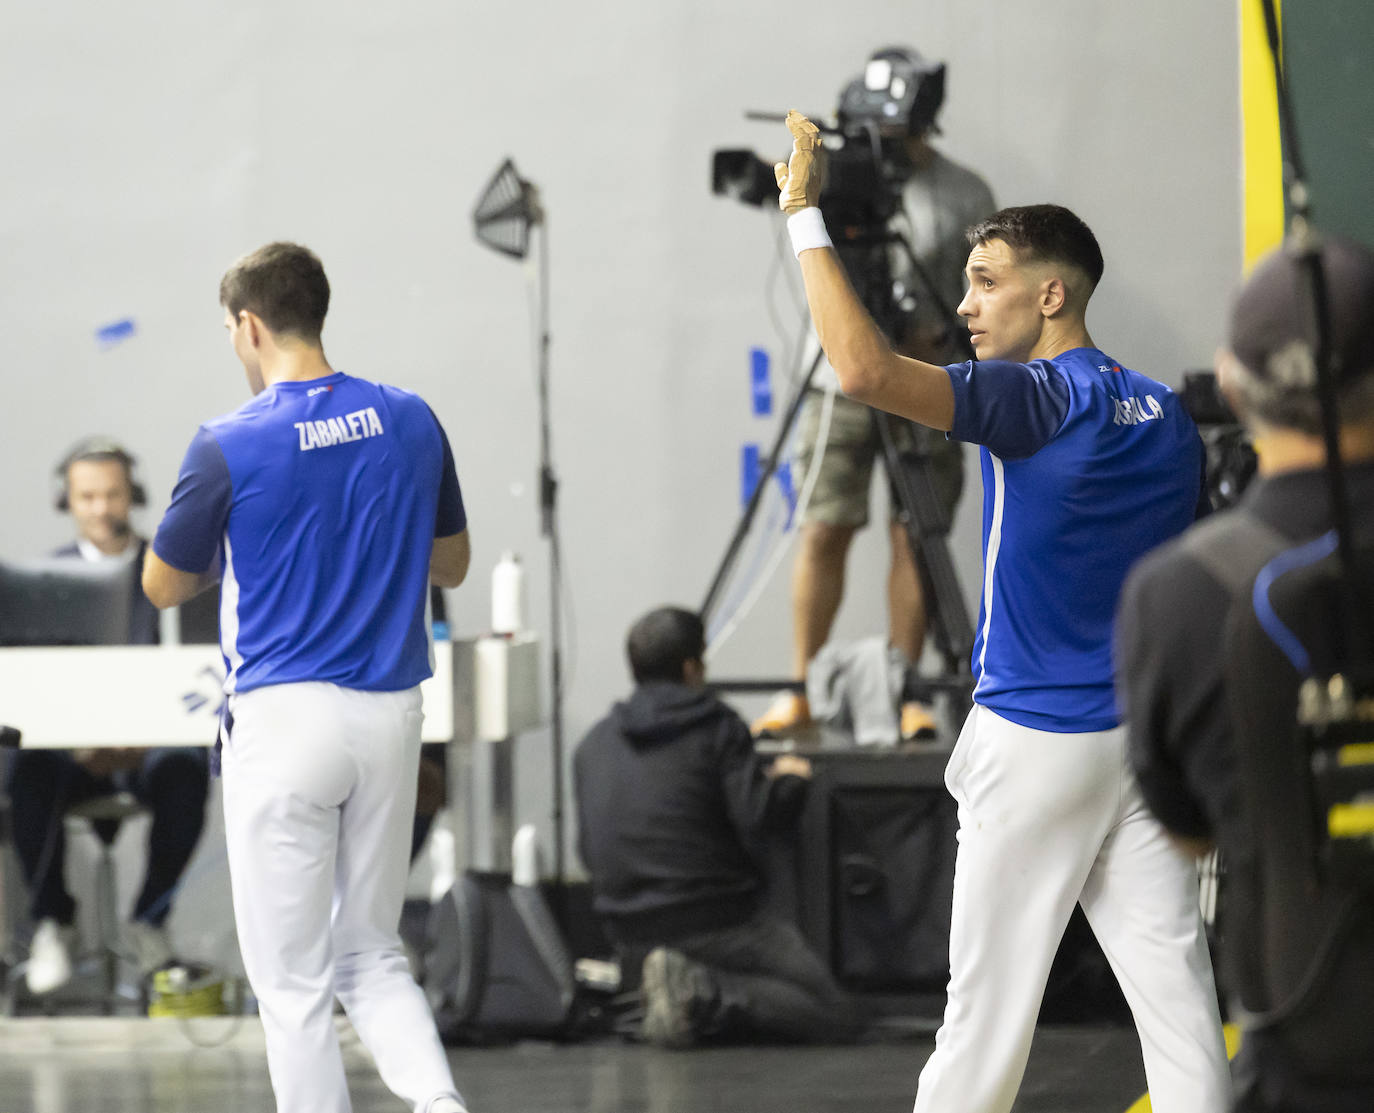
{"x": 107, "y": 927}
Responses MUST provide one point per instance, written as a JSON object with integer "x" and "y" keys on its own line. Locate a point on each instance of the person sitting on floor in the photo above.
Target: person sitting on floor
{"x": 672, "y": 803}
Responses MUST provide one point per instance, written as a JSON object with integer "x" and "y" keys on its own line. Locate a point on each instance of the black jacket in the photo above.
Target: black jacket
{"x": 1212, "y": 743}
{"x": 671, "y": 802}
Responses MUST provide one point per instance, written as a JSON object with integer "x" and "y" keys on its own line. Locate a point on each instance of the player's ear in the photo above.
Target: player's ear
{"x": 1054, "y": 295}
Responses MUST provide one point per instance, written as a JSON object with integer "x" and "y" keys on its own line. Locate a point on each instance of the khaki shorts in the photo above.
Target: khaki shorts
{"x": 840, "y": 497}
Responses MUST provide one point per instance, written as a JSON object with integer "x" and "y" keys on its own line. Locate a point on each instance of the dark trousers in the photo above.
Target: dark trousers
{"x": 42, "y": 784}
{"x": 1268, "y": 1081}
{"x": 770, "y": 983}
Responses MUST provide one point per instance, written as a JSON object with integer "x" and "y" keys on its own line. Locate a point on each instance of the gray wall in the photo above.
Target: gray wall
{"x": 145, "y": 146}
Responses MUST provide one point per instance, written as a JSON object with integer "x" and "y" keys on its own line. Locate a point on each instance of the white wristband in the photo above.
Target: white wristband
{"x": 807, "y": 229}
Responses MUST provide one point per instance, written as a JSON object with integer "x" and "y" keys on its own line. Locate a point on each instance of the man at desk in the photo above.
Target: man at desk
{"x": 96, "y": 484}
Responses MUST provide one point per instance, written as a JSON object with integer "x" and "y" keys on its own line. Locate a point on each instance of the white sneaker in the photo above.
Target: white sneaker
{"x": 50, "y": 957}
{"x": 152, "y": 949}
{"x": 446, "y": 1104}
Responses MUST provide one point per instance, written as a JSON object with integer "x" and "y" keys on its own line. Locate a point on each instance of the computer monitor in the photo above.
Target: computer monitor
{"x": 63, "y": 601}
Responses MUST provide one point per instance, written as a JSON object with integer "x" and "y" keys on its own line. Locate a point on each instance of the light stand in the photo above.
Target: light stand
{"x": 504, "y": 219}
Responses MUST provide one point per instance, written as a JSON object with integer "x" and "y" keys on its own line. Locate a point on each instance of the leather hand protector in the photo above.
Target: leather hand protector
{"x": 801, "y": 177}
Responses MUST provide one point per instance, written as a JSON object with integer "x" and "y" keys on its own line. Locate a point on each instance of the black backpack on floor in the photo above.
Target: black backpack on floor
{"x": 495, "y": 965}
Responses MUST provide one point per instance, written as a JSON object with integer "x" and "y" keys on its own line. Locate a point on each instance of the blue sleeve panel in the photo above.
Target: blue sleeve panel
{"x": 1012, "y": 409}
{"x": 188, "y": 537}
{"x": 452, "y": 516}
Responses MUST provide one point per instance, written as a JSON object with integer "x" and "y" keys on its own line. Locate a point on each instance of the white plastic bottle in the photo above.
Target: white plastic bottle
{"x": 524, "y": 856}
{"x": 508, "y": 595}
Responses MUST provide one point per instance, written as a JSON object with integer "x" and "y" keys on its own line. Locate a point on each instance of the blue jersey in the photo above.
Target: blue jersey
{"x": 1086, "y": 467}
{"x": 322, "y": 500}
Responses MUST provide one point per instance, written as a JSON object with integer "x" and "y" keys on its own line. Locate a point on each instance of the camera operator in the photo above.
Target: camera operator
{"x": 938, "y": 200}
{"x": 1181, "y": 702}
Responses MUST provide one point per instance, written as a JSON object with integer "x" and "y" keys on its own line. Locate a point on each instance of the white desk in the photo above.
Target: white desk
{"x": 484, "y": 692}
{"x": 146, "y": 695}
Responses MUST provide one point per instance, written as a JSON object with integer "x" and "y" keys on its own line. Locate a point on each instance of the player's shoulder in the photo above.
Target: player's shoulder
{"x": 233, "y": 432}
{"x": 1095, "y": 366}
{"x": 244, "y": 413}
{"x": 1096, "y": 371}
{"x": 224, "y": 426}
{"x": 403, "y": 405}
{"x": 1156, "y": 386}
{"x": 398, "y": 398}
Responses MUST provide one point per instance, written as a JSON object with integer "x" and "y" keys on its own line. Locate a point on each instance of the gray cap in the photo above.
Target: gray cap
{"x": 1270, "y": 324}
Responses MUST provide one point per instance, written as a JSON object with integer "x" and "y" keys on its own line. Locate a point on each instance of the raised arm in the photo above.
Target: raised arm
{"x": 865, "y": 363}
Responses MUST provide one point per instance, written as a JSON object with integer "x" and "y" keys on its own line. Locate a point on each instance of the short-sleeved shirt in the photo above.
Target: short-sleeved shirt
{"x": 1086, "y": 467}
{"x": 321, "y": 500}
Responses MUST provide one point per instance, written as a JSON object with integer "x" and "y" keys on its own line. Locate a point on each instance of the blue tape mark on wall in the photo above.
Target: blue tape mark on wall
{"x": 107, "y": 336}
{"x": 761, "y": 385}
{"x": 749, "y": 470}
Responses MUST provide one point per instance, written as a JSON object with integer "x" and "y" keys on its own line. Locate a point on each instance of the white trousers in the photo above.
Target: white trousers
{"x": 1046, "y": 820}
{"x": 319, "y": 803}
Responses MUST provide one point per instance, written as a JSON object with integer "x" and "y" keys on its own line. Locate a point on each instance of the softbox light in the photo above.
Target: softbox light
{"x": 506, "y": 211}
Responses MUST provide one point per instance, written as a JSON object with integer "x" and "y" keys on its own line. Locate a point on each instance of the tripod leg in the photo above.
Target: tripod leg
{"x": 927, "y": 527}
{"x": 770, "y": 466}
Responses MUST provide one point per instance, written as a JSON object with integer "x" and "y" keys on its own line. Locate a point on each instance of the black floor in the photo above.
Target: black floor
{"x": 134, "y": 1065}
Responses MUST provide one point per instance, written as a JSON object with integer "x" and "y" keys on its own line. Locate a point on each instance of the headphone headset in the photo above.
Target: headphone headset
{"x": 97, "y": 448}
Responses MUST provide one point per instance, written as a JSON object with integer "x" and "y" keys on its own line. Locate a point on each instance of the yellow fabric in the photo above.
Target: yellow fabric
{"x": 1262, "y": 154}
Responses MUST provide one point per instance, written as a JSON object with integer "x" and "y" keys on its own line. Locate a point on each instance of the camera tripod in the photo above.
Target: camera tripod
{"x": 910, "y": 477}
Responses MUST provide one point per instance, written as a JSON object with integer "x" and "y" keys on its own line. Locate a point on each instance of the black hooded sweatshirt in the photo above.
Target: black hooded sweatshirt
{"x": 671, "y": 804}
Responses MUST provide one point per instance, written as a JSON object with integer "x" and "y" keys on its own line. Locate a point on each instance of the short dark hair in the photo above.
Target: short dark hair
{"x": 284, "y": 284}
{"x": 1043, "y": 233}
{"x": 662, "y": 642}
